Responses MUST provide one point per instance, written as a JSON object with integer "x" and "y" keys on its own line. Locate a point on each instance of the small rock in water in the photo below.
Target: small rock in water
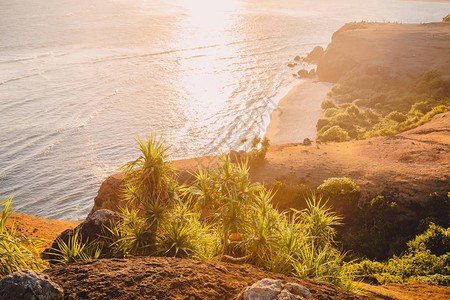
{"x": 297, "y": 58}
{"x": 303, "y": 73}
{"x": 292, "y": 65}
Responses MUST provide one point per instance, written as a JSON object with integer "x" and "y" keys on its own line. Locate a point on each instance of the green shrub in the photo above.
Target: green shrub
{"x": 373, "y": 105}
{"x": 396, "y": 116}
{"x": 323, "y": 124}
{"x": 436, "y": 279}
{"x": 333, "y": 134}
{"x": 436, "y": 239}
{"x": 338, "y": 186}
{"x": 75, "y": 250}
{"x": 375, "y": 229}
{"x": 331, "y": 112}
{"x": 446, "y": 18}
{"x": 17, "y": 252}
{"x": 328, "y": 103}
{"x": 413, "y": 266}
{"x": 150, "y": 185}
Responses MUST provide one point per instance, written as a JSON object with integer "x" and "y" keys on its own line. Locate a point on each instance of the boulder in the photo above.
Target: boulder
{"x": 271, "y": 289}
{"x": 312, "y": 73}
{"x": 303, "y": 73}
{"x": 29, "y": 285}
{"x": 291, "y": 65}
{"x": 298, "y": 290}
{"x": 315, "y": 55}
{"x": 108, "y": 196}
{"x": 297, "y": 58}
{"x": 286, "y": 295}
{"x": 307, "y": 142}
{"x": 265, "y": 289}
{"x": 93, "y": 228}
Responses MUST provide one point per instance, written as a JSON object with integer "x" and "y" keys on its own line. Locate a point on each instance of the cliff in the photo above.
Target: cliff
{"x": 394, "y": 50}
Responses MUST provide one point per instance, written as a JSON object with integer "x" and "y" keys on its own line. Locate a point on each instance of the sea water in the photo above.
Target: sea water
{"x": 79, "y": 80}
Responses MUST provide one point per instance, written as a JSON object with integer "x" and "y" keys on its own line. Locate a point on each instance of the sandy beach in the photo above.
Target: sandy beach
{"x": 297, "y": 113}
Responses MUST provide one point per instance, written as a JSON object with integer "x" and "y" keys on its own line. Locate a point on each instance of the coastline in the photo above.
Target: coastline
{"x": 297, "y": 113}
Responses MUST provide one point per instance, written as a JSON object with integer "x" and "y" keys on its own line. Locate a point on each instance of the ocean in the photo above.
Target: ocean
{"x": 79, "y": 80}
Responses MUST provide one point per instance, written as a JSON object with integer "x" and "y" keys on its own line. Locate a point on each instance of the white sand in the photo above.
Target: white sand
{"x": 297, "y": 113}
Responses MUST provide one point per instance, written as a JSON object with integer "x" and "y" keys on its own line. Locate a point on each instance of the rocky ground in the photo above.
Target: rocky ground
{"x": 171, "y": 278}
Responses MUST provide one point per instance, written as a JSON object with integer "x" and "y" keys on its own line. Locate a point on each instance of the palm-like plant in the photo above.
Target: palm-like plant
{"x": 319, "y": 220}
{"x": 149, "y": 185}
{"x": 17, "y": 252}
{"x": 183, "y": 234}
{"x": 203, "y": 192}
{"x": 75, "y": 250}
{"x": 132, "y": 236}
{"x": 262, "y": 241}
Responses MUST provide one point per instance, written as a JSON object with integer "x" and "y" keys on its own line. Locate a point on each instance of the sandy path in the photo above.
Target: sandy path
{"x": 297, "y": 113}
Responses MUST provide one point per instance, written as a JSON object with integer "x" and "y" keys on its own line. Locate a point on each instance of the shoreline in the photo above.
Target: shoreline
{"x": 297, "y": 113}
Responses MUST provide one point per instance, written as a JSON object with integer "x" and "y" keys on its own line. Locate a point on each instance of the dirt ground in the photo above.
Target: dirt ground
{"x": 38, "y": 227}
{"x": 171, "y": 278}
{"x": 408, "y": 166}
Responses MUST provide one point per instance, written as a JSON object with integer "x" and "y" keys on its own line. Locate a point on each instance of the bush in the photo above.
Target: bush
{"x": 338, "y": 186}
{"x": 328, "y": 103}
{"x": 446, "y": 18}
{"x": 333, "y": 134}
{"x": 375, "y": 229}
{"x": 74, "y": 250}
{"x": 331, "y": 112}
{"x": 437, "y": 279}
{"x": 17, "y": 252}
{"x": 373, "y": 105}
{"x": 396, "y": 116}
{"x": 414, "y": 266}
{"x": 436, "y": 239}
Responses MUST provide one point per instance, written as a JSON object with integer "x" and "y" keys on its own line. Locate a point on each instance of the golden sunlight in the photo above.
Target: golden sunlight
{"x": 210, "y": 13}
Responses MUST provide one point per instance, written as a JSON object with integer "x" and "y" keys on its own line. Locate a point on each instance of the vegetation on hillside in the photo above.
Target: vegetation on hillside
{"x": 17, "y": 252}
{"x": 222, "y": 215}
{"x": 427, "y": 260}
{"x": 364, "y": 106}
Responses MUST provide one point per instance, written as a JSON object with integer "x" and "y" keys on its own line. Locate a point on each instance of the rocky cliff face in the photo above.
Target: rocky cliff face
{"x": 403, "y": 51}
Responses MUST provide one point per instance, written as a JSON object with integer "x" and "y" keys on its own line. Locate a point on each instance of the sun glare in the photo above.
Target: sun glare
{"x": 210, "y": 13}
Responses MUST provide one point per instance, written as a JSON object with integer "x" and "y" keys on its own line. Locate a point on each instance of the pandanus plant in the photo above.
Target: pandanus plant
{"x": 150, "y": 187}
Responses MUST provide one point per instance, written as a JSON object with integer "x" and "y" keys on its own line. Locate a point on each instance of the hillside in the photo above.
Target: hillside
{"x": 394, "y": 50}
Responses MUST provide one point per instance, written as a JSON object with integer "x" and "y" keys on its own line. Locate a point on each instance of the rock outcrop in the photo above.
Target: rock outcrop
{"x": 108, "y": 196}
{"x": 274, "y": 289}
{"x": 29, "y": 285}
{"x": 315, "y": 55}
{"x": 90, "y": 230}
{"x": 404, "y": 51}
